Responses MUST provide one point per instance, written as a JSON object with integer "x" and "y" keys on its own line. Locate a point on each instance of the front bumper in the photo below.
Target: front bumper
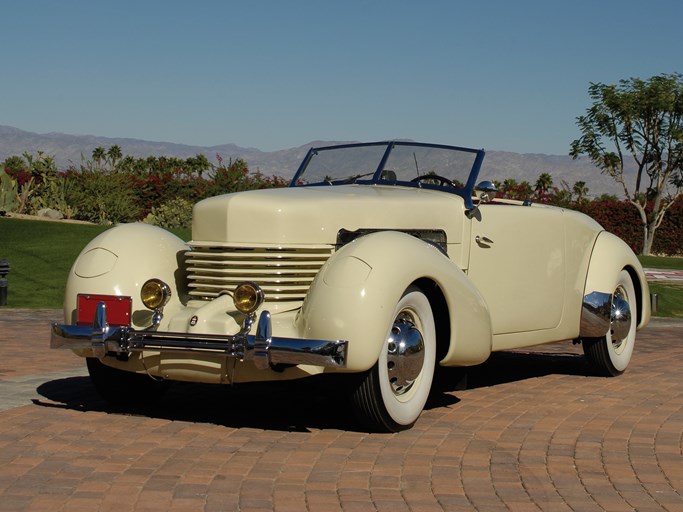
{"x": 262, "y": 348}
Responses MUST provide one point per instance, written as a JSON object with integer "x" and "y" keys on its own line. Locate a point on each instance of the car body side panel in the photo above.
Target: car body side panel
{"x": 354, "y": 295}
{"x": 517, "y": 262}
{"x": 531, "y": 279}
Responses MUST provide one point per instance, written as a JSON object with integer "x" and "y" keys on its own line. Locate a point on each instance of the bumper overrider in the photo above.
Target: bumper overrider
{"x": 602, "y": 312}
{"x": 262, "y": 348}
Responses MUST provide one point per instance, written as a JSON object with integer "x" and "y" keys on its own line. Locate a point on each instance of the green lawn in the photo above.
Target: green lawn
{"x": 669, "y": 299}
{"x": 669, "y": 295}
{"x": 661, "y": 262}
{"x": 41, "y": 253}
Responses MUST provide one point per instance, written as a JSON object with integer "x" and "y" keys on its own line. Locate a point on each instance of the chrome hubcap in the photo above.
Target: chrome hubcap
{"x": 405, "y": 354}
{"x": 620, "y": 317}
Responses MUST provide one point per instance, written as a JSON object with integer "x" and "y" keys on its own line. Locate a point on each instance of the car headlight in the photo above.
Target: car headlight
{"x": 247, "y": 297}
{"x": 155, "y": 294}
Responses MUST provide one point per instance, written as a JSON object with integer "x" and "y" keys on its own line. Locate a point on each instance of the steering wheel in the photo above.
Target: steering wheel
{"x": 435, "y": 177}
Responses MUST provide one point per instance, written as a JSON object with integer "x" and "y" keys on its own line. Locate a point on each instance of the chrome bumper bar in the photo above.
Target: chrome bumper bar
{"x": 261, "y": 348}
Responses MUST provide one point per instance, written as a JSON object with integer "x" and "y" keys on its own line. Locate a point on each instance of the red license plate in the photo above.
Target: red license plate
{"x": 118, "y": 308}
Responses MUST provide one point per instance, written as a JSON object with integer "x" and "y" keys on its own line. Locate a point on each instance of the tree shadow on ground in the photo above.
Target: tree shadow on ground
{"x": 314, "y": 403}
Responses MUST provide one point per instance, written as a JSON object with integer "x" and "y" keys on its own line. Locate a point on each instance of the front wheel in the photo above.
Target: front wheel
{"x": 392, "y": 394}
{"x": 611, "y": 354}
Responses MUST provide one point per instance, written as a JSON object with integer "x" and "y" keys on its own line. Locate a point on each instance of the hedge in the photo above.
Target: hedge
{"x": 623, "y": 219}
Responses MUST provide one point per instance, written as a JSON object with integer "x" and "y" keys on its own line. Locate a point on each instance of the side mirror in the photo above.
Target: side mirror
{"x": 486, "y": 192}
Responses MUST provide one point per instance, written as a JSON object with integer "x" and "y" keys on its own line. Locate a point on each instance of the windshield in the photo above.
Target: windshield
{"x": 446, "y": 168}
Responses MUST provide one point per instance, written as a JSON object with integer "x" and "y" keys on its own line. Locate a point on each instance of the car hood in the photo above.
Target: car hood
{"x": 314, "y": 215}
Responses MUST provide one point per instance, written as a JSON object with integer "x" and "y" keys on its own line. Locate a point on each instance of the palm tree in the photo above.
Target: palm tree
{"x": 580, "y": 190}
{"x": 98, "y": 155}
{"x": 543, "y": 184}
{"x": 509, "y": 185}
{"x": 114, "y": 154}
{"x": 127, "y": 164}
{"x": 203, "y": 164}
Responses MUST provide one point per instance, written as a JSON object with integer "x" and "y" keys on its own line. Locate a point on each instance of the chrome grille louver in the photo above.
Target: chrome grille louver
{"x": 284, "y": 272}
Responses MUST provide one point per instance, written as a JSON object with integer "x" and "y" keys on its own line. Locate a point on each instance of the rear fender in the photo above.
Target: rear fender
{"x": 354, "y": 295}
{"x": 610, "y": 256}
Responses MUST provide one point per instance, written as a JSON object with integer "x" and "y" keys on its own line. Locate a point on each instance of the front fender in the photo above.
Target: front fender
{"x": 354, "y": 295}
{"x": 120, "y": 260}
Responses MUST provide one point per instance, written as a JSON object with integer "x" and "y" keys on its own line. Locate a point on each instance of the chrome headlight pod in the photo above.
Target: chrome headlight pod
{"x": 155, "y": 294}
{"x": 248, "y": 297}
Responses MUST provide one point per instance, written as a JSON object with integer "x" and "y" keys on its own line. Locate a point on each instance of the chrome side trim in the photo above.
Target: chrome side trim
{"x": 263, "y": 349}
{"x": 596, "y": 315}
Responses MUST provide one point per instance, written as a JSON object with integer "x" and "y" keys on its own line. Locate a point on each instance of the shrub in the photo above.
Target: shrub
{"x": 235, "y": 177}
{"x": 9, "y": 196}
{"x": 176, "y": 213}
{"x": 622, "y": 219}
{"x": 102, "y": 198}
{"x": 51, "y": 193}
{"x": 669, "y": 236}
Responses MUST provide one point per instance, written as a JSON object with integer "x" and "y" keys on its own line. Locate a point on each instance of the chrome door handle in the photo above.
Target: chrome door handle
{"x": 483, "y": 240}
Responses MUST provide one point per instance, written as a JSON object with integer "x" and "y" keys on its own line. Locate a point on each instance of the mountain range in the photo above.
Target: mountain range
{"x": 498, "y": 165}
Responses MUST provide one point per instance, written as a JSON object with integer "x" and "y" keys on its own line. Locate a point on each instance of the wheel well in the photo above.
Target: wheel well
{"x": 442, "y": 320}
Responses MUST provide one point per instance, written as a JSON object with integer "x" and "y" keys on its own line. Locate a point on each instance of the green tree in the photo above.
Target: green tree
{"x": 98, "y": 154}
{"x": 201, "y": 164}
{"x": 13, "y": 164}
{"x": 639, "y": 121}
{"x": 525, "y": 189}
{"x": 543, "y": 184}
{"x": 508, "y": 186}
{"x": 114, "y": 154}
{"x": 580, "y": 190}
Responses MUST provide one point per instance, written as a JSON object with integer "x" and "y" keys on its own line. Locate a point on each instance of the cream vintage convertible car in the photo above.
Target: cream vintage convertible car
{"x": 379, "y": 261}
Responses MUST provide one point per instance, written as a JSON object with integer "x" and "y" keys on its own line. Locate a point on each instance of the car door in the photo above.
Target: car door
{"x": 517, "y": 261}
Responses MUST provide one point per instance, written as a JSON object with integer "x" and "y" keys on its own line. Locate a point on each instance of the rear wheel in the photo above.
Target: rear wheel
{"x": 394, "y": 391}
{"x": 611, "y": 354}
{"x": 119, "y": 387}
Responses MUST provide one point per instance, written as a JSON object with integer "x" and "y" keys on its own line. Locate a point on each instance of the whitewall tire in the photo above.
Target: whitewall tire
{"x": 611, "y": 354}
{"x": 393, "y": 393}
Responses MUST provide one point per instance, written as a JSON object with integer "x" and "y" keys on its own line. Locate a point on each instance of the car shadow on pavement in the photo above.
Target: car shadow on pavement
{"x": 502, "y": 368}
{"x": 315, "y": 403}
{"x": 287, "y": 406}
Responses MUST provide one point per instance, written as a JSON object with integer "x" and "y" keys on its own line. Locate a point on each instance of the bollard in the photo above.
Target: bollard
{"x": 4, "y": 270}
{"x": 653, "y": 302}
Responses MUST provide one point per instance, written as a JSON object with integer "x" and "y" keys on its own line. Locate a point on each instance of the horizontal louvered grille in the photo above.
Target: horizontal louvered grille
{"x": 284, "y": 273}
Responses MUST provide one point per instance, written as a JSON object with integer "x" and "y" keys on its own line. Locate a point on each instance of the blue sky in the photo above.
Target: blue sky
{"x": 503, "y": 75}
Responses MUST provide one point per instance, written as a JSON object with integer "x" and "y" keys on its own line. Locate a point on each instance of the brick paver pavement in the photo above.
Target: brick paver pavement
{"x": 533, "y": 431}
